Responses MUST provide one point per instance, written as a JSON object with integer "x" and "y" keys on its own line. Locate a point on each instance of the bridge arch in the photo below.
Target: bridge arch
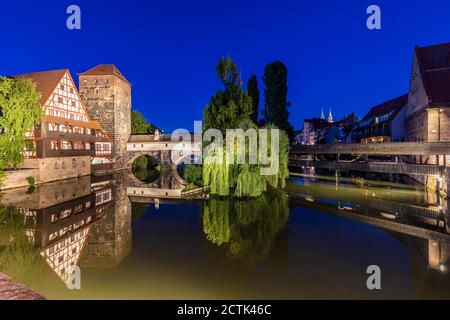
{"x": 135, "y": 155}
{"x": 178, "y": 161}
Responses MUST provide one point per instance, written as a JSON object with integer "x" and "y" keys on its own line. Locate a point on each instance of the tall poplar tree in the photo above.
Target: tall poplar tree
{"x": 275, "y": 97}
{"x": 253, "y": 92}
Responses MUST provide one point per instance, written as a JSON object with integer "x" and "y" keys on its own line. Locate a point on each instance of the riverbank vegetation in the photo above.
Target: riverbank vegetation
{"x": 20, "y": 111}
{"x": 193, "y": 174}
{"x": 140, "y": 125}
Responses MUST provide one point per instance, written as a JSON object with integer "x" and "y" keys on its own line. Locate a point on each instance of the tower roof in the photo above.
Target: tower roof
{"x": 330, "y": 117}
{"x": 45, "y": 81}
{"x": 104, "y": 69}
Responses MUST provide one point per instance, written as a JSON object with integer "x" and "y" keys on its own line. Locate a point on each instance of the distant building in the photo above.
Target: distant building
{"x": 320, "y": 131}
{"x": 298, "y": 137}
{"x": 315, "y": 130}
{"x": 383, "y": 123}
{"x": 341, "y": 130}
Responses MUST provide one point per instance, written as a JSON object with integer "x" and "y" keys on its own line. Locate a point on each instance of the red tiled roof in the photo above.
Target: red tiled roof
{"x": 392, "y": 105}
{"x": 434, "y": 62}
{"x": 45, "y": 81}
{"x": 104, "y": 69}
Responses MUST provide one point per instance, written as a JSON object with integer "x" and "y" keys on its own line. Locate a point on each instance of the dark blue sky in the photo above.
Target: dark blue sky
{"x": 169, "y": 49}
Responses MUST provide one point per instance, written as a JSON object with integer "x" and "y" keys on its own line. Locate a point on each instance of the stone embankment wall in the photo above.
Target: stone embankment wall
{"x": 11, "y": 291}
{"x": 47, "y": 170}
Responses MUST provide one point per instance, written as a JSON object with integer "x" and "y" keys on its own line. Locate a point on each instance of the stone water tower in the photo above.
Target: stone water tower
{"x": 106, "y": 93}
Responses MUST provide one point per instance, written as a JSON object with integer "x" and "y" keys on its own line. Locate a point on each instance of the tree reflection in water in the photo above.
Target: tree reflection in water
{"x": 244, "y": 230}
{"x": 19, "y": 259}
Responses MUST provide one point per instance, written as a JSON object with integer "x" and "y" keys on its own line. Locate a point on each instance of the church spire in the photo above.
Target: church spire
{"x": 322, "y": 115}
{"x": 330, "y": 117}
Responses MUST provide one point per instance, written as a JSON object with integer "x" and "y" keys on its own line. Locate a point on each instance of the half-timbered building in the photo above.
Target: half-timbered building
{"x": 66, "y": 141}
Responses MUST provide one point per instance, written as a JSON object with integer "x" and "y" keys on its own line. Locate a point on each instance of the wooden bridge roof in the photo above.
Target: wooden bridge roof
{"x": 398, "y": 148}
{"x": 151, "y": 138}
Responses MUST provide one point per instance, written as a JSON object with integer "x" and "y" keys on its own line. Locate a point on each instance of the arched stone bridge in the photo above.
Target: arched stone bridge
{"x": 161, "y": 148}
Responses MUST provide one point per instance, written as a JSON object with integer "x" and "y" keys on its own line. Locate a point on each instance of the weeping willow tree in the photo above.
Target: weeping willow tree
{"x": 245, "y": 230}
{"x": 245, "y": 180}
{"x": 19, "y": 259}
{"x": 231, "y": 108}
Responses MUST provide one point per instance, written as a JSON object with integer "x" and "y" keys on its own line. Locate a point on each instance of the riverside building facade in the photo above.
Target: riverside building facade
{"x": 66, "y": 141}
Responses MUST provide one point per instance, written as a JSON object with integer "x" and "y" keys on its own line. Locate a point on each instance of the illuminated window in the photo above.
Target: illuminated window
{"x": 66, "y": 145}
{"x": 54, "y": 146}
{"x": 78, "y": 145}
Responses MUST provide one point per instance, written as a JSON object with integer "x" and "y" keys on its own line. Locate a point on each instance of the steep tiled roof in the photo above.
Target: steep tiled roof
{"x": 434, "y": 62}
{"x": 104, "y": 69}
{"x": 46, "y": 81}
{"x": 392, "y": 105}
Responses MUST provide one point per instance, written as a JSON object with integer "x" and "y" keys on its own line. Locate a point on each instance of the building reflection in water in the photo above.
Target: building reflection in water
{"x": 66, "y": 219}
{"x": 87, "y": 222}
{"x": 109, "y": 241}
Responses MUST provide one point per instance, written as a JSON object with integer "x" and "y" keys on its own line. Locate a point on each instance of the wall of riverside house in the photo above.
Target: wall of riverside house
{"x": 47, "y": 170}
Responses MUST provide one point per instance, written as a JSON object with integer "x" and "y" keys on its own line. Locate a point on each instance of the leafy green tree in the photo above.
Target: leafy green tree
{"x": 253, "y": 92}
{"x": 275, "y": 97}
{"x": 140, "y": 125}
{"x": 20, "y": 111}
{"x": 194, "y": 175}
{"x": 231, "y": 108}
{"x": 228, "y": 108}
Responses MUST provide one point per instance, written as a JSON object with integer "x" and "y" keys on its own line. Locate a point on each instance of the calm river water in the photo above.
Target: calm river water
{"x": 315, "y": 240}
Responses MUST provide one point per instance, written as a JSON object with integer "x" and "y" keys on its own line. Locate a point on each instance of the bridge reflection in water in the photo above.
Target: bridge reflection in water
{"x": 420, "y": 219}
{"x": 88, "y": 222}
